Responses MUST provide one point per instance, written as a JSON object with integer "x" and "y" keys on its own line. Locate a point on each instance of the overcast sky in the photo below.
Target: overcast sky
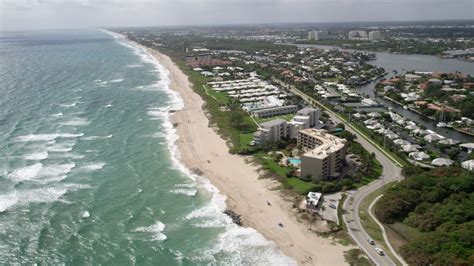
{"x": 41, "y": 14}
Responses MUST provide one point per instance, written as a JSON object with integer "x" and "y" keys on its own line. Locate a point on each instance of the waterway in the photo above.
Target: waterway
{"x": 402, "y": 63}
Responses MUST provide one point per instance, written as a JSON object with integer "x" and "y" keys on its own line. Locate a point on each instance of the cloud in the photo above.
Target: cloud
{"x": 21, "y": 14}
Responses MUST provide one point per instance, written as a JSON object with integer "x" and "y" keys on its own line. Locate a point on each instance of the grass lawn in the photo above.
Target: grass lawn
{"x": 245, "y": 139}
{"x": 270, "y": 165}
{"x": 298, "y": 185}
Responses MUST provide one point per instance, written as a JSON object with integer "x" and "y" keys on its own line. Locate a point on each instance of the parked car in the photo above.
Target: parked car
{"x": 380, "y": 251}
{"x": 371, "y": 241}
{"x": 333, "y": 206}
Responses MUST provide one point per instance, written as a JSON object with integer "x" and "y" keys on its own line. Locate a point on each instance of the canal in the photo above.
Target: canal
{"x": 402, "y": 63}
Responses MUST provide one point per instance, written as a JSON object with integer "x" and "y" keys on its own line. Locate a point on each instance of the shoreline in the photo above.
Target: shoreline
{"x": 202, "y": 148}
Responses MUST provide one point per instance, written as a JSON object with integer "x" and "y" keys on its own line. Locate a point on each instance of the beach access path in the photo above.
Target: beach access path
{"x": 201, "y": 147}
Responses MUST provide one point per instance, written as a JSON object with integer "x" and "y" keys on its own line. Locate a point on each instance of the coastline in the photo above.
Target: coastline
{"x": 200, "y": 147}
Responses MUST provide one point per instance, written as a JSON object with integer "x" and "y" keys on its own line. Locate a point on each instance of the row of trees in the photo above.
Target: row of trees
{"x": 440, "y": 203}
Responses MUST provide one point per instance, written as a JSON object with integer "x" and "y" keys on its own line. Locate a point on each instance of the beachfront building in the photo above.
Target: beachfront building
{"x": 271, "y": 131}
{"x": 255, "y": 95}
{"x": 265, "y": 112}
{"x": 312, "y": 200}
{"x": 313, "y": 113}
{"x": 278, "y": 129}
{"x": 325, "y": 154}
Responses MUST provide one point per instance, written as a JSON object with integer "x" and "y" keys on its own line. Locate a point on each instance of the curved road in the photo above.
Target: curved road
{"x": 391, "y": 172}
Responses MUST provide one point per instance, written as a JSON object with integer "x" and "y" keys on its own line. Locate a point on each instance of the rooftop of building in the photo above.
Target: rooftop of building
{"x": 306, "y": 110}
{"x": 273, "y": 122}
{"x": 330, "y": 143}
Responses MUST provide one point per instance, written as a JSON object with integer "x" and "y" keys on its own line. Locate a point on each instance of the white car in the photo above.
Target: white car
{"x": 380, "y": 251}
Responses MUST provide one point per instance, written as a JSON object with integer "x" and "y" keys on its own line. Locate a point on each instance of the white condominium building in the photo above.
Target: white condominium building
{"x": 318, "y": 35}
{"x": 325, "y": 154}
{"x": 375, "y": 35}
{"x": 314, "y": 115}
{"x": 357, "y": 35}
{"x": 274, "y": 111}
{"x": 277, "y": 129}
{"x": 271, "y": 131}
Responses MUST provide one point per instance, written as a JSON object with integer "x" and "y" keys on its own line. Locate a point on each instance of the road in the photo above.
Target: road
{"x": 391, "y": 172}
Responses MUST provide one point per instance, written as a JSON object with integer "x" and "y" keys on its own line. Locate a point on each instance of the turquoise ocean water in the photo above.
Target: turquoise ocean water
{"x": 88, "y": 168}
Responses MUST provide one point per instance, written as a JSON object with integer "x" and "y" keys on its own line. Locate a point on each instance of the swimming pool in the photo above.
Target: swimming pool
{"x": 294, "y": 161}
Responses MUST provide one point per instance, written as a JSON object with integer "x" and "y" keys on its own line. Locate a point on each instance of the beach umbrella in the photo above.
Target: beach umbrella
{"x": 442, "y": 162}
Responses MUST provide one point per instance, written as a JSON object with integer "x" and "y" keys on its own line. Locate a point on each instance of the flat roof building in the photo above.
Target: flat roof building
{"x": 325, "y": 154}
{"x": 312, "y": 200}
{"x": 274, "y": 111}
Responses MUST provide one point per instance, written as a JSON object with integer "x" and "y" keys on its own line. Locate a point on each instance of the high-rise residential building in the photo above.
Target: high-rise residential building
{"x": 375, "y": 35}
{"x": 277, "y": 129}
{"x": 320, "y": 35}
{"x": 357, "y": 35}
{"x": 325, "y": 154}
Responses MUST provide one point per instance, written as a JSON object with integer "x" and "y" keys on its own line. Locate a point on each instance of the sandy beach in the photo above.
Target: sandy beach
{"x": 201, "y": 147}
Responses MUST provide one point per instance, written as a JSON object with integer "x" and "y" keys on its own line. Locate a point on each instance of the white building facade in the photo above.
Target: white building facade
{"x": 325, "y": 154}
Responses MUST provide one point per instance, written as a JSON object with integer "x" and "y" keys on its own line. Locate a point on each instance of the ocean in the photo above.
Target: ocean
{"x": 89, "y": 173}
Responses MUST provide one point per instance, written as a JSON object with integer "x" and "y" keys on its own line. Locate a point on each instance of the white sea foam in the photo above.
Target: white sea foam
{"x": 249, "y": 246}
{"x": 102, "y": 83}
{"x": 116, "y": 80}
{"x": 48, "y": 172}
{"x": 61, "y": 147}
{"x": 56, "y": 170}
{"x": 68, "y": 104}
{"x": 97, "y": 137}
{"x": 92, "y": 167}
{"x": 158, "y": 135}
{"x": 8, "y": 200}
{"x": 36, "y": 156}
{"x": 73, "y": 156}
{"x": 47, "y": 194}
{"x": 155, "y": 230}
{"x": 184, "y": 191}
{"x": 86, "y": 214}
{"x": 77, "y": 121}
{"x": 26, "y": 173}
{"x": 45, "y": 137}
{"x": 134, "y": 65}
{"x": 57, "y": 114}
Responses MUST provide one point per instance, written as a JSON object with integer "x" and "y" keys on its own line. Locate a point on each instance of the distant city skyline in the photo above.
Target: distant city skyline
{"x": 45, "y": 14}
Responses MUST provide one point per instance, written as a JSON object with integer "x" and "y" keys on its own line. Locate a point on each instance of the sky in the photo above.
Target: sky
{"x": 47, "y": 14}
